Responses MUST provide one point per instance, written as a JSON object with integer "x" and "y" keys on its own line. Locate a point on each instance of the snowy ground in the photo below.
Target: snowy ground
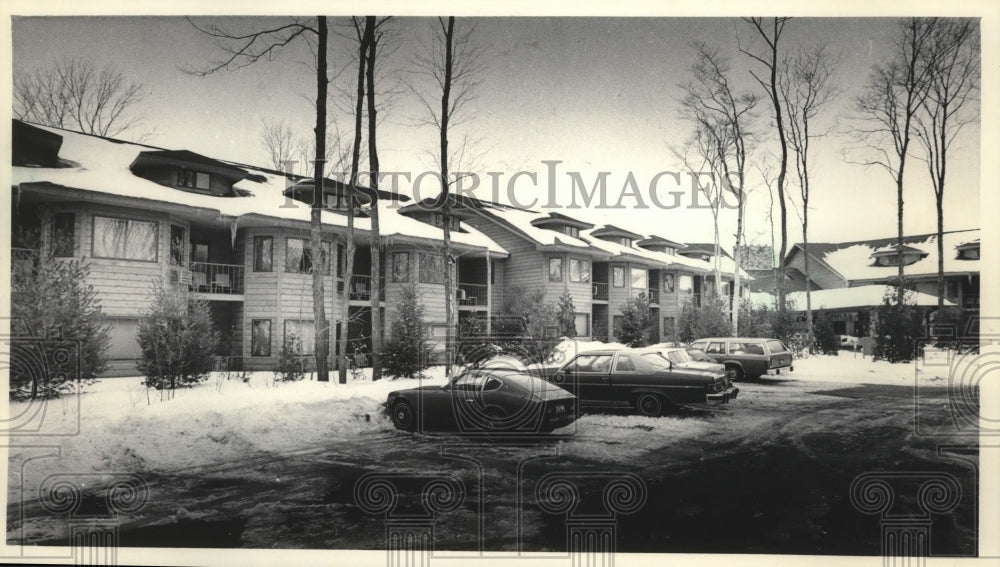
{"x": 125, "y": 428}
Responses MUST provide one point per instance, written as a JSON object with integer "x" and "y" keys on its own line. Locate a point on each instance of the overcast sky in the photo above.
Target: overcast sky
{"x": 595, "y": 94}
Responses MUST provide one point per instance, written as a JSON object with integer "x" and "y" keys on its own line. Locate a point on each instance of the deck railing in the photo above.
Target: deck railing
{"x": 600, "y": 290}
{"x": 226, "y": 279}
{"x": 471, "y": 294}
{"x": 361, "y": 288}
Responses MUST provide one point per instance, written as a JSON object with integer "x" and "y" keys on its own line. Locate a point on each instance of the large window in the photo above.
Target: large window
{"x": 305, "y": 331}
{"x": 124, "y": 239}
{"x": 432, "y": 268}
{"x": 668, "y": 283}
{"x": 639, "y": 278}
{"x": 400, "y": 267}
{"x": 579, "y": 270}
{"x": 260, "y": 337}
{"x": 299, "y": 256}
{"x": 63, "y": 235}
{"x": 555, "y": 270}
{"x": 685, "y": 283}
{"x": 263, "y": 252}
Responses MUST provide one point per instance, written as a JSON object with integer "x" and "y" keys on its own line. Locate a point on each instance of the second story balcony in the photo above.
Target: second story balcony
{"x": 471, "y": 294}
{"x": 653, "y": 295}
{"x": 205, "y": 277}
{"x": 361, "y": 288}
{"x": 600, "y": 290}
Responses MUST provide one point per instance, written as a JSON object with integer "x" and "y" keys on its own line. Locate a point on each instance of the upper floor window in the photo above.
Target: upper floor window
{"x": 437, "y": 219}
{"x": 194, "y": 179}
{"x": 400, "y": 266}
{"x": 571, "y": 231}
{"x": 263, "y": 249}
{"x": 125, "y": 239}
{"x": 299, "y": 256}
{"x": 555, "y": 270}
{"x": 63, "y": 235}
{"x": 969, "y": 254}
{"x": 579, "y": 270}
{"x": 432, "y": 268}
{"x": 638, "y": 278}
{"x": 617, "y": 276}
{"x": 624, "y": 241}
{"x": 178, "y": 238}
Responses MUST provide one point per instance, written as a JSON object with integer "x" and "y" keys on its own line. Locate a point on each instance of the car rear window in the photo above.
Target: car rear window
{"x": 776, "y": 347}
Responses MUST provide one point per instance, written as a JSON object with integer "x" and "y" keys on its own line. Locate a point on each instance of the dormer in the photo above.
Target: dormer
{"x": 659, "y": 244}
{"x": 188, "y": 171}
{"x": 968, "y": 250}
{"x": 562, "y": 224}
{"x": 611, "y": 233}
{"x": 703, "y": 252}
{"x": 890, "y": 256}
{"x": 34, "y": 147}
{"x": 429, "y": 211}
{"x": 335, "y": 195}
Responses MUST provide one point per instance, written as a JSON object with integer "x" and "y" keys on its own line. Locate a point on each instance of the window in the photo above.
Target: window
{"x": 668, "y": 283}
{"x": 625, "y": 241}
{"x": 581, "y": 323}
{"x": 493, "y": 272}
{"x": 432, "y": 268}
{"x": 624, "y": 364}
{"x": 193, "y": 179}
{"x": 199, "y": 254}
{"x": 178, "y": 237}
{"x": 639, "y": 278}
{"x": 437, "y": 219}
{"x": 63, "y": 235}
{"x": 579, "y": 270}
{"x": 618, "y": 276}
{"x": 571, "y": 231}
{"x": 125, "y": 239}
{"x": 260, "y": 337}
{"x": 685, "y": 283}
{"x": 305, "y": 331}
{"x": 299, "y": 257}
{"x": 593, "y": 363}
{"x": 970, "y": 254}
{"x": 400, "y": 266}
{"x": 263, "y": 253}
{"x": 716, "y": 348}
{"x": 555, "y": 270}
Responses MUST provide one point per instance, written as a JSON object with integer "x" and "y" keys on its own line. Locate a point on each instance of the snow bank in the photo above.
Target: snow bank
{"x": 125, "y": 428}
{"x": 936, "y": 368}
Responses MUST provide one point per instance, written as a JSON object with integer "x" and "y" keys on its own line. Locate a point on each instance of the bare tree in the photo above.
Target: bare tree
{"x": 888, "y": 109}
{"x": 807, "y": 86}
{"x": 246, "y": 48}
{"x": 453, "y": 63}
{"x": 278, "y": 139}
{"x": 770, "y": 33}
{"x": 723, "y": 117}
{"x": 953, "y": 85}
{"x": 74, "y": 93}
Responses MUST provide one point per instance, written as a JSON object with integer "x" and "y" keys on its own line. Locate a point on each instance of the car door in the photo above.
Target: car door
{"x": 625, "y": 377}
{"x": 716, "y": 350}
{"x": 754, "y": 357}
{"x": 589, "y": 378}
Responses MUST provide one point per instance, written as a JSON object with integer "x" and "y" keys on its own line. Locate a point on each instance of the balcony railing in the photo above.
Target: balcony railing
{"x": 471, "y": 294}
{"x": 970, "y": 302}
{"x": 226, "y": 279}
{"x": 361, "y": 288}
{"x": 653, "y": 294}
{"x": 600, "y": 290}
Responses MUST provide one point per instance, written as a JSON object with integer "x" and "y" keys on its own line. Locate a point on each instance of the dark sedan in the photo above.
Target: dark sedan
{"x": 640, "y": 378}
{"x": 487, "y": 400}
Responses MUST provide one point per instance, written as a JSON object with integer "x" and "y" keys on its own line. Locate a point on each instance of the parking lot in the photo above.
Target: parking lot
{"x": 771, "y": 472}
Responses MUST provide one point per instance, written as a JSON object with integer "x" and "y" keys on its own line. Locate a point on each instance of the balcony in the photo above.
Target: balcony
{"x": 471, "y": 294}
{"x": 600, "y": 290}
{"x": 223, "y": 279}
{"x": 970, "y": 302}
{"x": 361, "y": 288}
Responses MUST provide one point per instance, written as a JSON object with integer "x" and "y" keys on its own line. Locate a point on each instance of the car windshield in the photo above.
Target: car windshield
{"x": 697, "y": 354}
{"x": 474, "y": 381}
{"x": 530, "y": 383}
{"x": 656, "y": 360}
{"x": 677, "y": 356}
{"x": 776, "y": 346}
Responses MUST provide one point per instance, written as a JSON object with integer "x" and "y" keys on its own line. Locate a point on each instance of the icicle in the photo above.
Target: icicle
{"x": 232, "y": 230}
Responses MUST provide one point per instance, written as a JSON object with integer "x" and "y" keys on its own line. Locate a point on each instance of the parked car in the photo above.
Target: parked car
{"x": 748, "y": 358}
{"x": 640, "y": 378}
{"x": 684, "y": 358}
{"x": 492, "y": 400}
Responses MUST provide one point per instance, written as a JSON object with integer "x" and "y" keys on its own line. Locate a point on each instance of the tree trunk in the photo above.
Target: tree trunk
{"x": 736, "y": 271}
{"x": 805, "y": 259}
{"x": 940, "y": 249}
{"x": 322, "y": 329}
{"x": 376, "y": 242}
{"x": 449, "y": 290}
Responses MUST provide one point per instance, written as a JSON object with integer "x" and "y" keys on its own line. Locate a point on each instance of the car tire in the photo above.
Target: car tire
{"x": 734, "y": 373}
{"x": 649, "y": 405}
{"x": 403, "y": 416}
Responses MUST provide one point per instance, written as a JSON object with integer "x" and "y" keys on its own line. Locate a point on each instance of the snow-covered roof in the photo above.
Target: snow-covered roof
{"x": 853, "y": 260}
{"x": 861, "y": 296}
{"x": 101, "y": 165}
{"x": 521, "y": 220}
{"x": 845, "y": 298}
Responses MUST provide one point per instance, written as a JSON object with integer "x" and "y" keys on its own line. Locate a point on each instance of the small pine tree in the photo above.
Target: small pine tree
{"x": 566, "y": 315}
{"x": 50, "y": 300}
{"x": 708, "y": 320}
{"x": 826, "y": 341}
{"x": 635, "y": 323}
{"x": 898, "y": 328}
{"x": 177, "y": 340}
{"x": 527, "y": 326}
{"x": 290, "y": 367}
{"x": 407, "y": 354}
